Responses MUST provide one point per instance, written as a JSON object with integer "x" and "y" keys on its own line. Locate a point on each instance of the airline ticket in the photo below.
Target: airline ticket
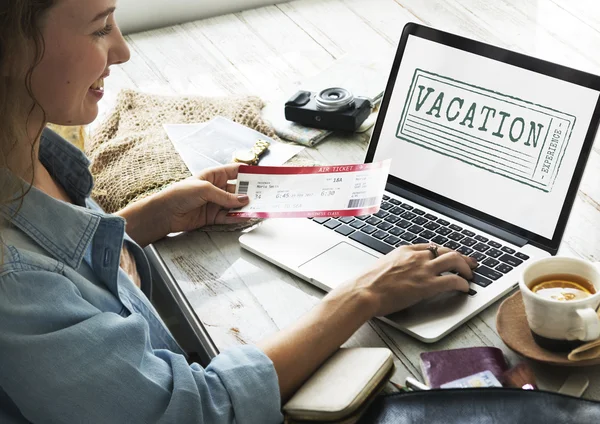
{"x": 319, "y": 191}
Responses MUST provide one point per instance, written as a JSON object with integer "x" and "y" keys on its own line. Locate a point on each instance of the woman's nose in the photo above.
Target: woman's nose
{"x": 120, "y": 50}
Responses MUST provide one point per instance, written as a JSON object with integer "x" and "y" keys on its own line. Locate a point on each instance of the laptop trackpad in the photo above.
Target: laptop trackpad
{"x": 336, "y": 265}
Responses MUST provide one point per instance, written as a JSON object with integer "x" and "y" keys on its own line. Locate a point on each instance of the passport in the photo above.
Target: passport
{"x": 443, "y": 366}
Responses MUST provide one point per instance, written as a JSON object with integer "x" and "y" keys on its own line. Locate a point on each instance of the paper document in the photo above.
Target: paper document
{"x": 293, "y": 192}
{"x": 213, "y": 143}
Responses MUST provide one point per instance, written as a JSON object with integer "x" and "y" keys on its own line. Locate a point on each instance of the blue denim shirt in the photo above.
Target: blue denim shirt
{"x": 79, "y": 342}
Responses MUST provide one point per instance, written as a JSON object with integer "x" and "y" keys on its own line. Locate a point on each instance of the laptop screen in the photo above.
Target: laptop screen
{"x": 495, "y": 137}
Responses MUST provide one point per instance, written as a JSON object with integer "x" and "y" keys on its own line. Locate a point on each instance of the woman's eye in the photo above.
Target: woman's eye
{"x": 104, "y": 31}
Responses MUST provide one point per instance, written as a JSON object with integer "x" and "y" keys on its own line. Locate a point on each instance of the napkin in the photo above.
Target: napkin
{"x": 590, "y": 350}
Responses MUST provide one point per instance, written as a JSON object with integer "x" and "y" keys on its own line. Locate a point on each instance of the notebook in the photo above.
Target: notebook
{"x": 488, "y": 147}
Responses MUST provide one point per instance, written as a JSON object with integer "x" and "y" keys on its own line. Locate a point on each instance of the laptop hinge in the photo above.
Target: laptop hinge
{"x": 459, "y": 216}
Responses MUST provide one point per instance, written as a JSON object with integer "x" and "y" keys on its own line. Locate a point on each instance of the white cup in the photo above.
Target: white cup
{"x": 561, "y": 325}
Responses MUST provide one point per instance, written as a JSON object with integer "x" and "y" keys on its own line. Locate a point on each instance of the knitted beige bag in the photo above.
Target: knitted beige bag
{"x": 131, "y": 154}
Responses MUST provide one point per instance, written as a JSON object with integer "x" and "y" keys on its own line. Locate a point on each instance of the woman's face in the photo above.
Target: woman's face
{"x": 82, "y": 41}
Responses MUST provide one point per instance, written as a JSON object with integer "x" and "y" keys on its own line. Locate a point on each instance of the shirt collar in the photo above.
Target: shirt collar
{"x": 62, "y": 229}
{"x": 68, "y": 166}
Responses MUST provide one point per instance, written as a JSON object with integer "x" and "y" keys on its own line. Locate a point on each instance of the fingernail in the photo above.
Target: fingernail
{"x": 243, "y": 198}
{"x": 474, "y": 261}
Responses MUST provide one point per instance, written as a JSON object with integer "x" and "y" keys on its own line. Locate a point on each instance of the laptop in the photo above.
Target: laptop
{"x": 488, "y": 147}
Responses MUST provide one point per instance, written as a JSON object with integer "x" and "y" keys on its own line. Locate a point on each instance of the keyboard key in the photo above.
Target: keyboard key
{"x": 408, "y": 215}
{"x": 346, "y": 219}
{"x": 468, "y": 233}
{"x": 481, "y": 239}
{"x": 386, "y": 197}
{"x": 465, "y": 250}
{"x": 408, "y": 236}
{"x": 363, "y": 217}
{"x": 443, "y": 222}
{"x": 415, "y": 229}
{"x": 508, "y": 250}
{"x": 407, "y": 207}
{"x": 392, "y": 219}
{"x": 522, "y": 256}
{"x": 420, "y": 240}
{"x": 357, "y": 224}
{"x": 494, "y": 253}
{"x": 439, "y": 240}
{"x": 385, "y": 226}
{"x": 396, "y": 231}
{"x": 491, "y": 262}
{"x": 395, "y": 202}
{"x": 468, "y": 241}
{"x": 508, "y": 259}
{"x": 418, "y": 212}
{"x": 478, "y": 256}
{"x": 381, "y": 214}
{"x": 321, "y": 220}
{"x": 369, "y": 241}
{"x": 487, "y": 272}
{"x": 386, "y": 206}
{"x": 480, "y": 247}
{"x": 419, "y": 220}
{"x": 430, "y": 217}
{"x": 397, "y": 210}
{"x": 374, "y": 221}
{"x": 432, "y": 226}
{"x": 344, "y": 230}
{"x": 404, "y": 224}
{"x": 455, "y": 227}
{"x": 428, "y": 234}
{"x": 332, "y": 223}
{"x": 392, "y": 240}
{"x": 452, "y": 245}
{"x": 504, "y": 269}
{"x": 479, "y": 280}
{"x": 456, "y": 236}
{"x": 402, "y": 243}
{"x": 472, "y": 292}
{"x": 494, "y": 244}
{"x": 368, "y": 229}
{"x": 443, "y": 231}
{"x": 380, "y": 235}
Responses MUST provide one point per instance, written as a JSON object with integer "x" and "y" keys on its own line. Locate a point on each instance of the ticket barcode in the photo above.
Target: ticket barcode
{"x": 359, "y": 203}
{"x": 243, "y": 187}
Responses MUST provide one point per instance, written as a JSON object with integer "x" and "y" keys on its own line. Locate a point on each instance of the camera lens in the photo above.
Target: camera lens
{"x": 334, "y": 99}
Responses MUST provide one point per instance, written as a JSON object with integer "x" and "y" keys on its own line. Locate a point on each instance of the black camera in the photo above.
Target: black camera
{"x": 331, "y": 109}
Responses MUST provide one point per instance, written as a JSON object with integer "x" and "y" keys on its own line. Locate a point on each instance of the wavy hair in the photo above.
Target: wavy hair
{"x": 21, "y": 41}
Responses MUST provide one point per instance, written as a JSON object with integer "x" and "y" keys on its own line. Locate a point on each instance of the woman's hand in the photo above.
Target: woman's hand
{"x": 202, "y": 200}
{"x": 410, "y": 274}
{"x": 186, "y": 205}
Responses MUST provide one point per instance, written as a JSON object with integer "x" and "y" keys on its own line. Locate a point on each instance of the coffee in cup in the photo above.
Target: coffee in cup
{"x": 562, "y": 287}
{"x": 561, "y": 298}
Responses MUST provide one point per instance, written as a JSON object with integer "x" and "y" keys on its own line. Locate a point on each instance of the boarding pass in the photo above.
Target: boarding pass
{"x": 295, "y": 192}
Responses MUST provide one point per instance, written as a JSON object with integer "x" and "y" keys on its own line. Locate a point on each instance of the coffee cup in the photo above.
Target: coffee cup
{"x": 561, "y": 297}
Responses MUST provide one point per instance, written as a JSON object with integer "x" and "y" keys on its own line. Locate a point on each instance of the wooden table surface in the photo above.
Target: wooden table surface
{"x": 268, "y": 52}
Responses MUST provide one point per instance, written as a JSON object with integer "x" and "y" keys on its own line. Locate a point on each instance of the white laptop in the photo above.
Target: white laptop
{"x": 488, "y": 148}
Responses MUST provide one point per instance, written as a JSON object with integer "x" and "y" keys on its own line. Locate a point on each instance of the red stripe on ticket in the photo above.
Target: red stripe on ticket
{"x": 306, "y": 214}
{"x": 289, "y": 170}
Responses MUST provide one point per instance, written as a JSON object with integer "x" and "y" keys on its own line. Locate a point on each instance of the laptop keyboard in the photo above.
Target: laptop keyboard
{"x": 400, "y": 224}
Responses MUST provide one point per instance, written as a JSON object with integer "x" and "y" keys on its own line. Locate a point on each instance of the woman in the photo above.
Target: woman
{"x": 79, "y": 340}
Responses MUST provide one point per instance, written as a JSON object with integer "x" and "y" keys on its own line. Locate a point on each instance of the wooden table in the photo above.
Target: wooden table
{"x": 240, "y": 298}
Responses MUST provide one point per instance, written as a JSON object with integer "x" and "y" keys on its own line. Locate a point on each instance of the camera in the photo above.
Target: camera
{"x": 331, "y": 109}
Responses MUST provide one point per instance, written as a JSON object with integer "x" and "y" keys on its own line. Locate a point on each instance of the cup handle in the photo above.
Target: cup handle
{"x": 591, "y": 324}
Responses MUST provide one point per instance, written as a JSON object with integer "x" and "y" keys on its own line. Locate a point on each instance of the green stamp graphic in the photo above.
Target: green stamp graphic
{"x": 502, "y": 134}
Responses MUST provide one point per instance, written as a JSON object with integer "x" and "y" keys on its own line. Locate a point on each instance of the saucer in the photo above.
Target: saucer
{"x": 511, "y": 324}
